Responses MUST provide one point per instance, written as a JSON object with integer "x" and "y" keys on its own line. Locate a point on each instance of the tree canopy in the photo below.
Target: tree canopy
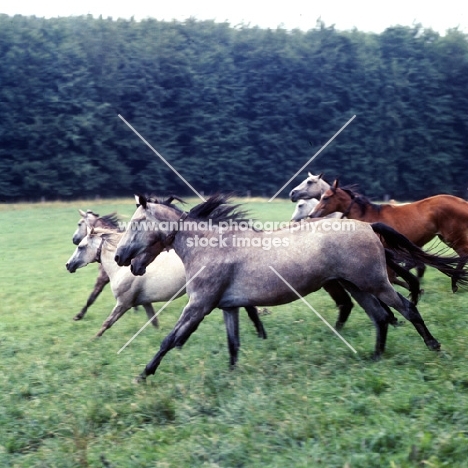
{"x": 231, "y": 108}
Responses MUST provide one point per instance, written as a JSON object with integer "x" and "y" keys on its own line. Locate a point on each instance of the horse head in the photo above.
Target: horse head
{"x": 88, "y": 251}
{"x": 313, "y": 187}
{"x": 149, "y": 232}
{"x": 88, "y": 219}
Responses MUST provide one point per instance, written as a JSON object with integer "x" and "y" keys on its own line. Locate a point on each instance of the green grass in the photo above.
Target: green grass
{"x": 300, "y": 398}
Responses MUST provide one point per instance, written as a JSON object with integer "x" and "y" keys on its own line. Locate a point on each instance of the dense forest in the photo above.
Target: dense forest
{"x": 231, "y": 108}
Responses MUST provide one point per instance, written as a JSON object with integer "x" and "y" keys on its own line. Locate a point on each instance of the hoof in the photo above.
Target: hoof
{"x": 398, "y": 323}
{"x": 339, "y": 326}
{"x": 140, "y": 379}
{"x": 434, "y": 345}
{"x": 376, "y": 357}
{"x": 77, "y": 317}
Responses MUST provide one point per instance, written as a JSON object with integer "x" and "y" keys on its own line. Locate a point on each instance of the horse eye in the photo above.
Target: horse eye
{"x": 309, "y": 182}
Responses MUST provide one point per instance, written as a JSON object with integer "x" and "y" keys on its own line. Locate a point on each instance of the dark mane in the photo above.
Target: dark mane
{"x": 218, "y": 209}
{"x": 110, "y": 221}
{"x": 360, "y": 200}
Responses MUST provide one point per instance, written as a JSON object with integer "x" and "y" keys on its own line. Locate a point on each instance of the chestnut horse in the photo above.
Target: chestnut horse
{"x": 444, "y": 216}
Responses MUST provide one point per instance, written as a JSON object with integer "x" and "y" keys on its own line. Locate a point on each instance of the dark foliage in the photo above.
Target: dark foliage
{"x": 232, "y": 109}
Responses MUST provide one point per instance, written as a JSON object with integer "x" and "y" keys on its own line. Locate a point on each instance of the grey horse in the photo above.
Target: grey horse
{"x": 228, "y": 267}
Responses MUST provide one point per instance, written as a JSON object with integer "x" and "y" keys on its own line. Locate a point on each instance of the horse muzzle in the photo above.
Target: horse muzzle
{"x": 137, "y": 270}
{"x": 71, "y": 267}
{"x": 122, "y": 258}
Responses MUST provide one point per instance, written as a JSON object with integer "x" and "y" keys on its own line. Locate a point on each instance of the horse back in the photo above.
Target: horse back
{"x": 421, "y": 221}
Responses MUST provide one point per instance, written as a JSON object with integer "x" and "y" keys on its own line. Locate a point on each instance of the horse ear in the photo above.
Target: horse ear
{"x": 140, "y": 201}
{"x": 320, "y": 175}
{"x": 309, "y": 174}
{"x": 82, "y": 213}
{"x": 336, "y": 183}
{"x": 143, "y": 201}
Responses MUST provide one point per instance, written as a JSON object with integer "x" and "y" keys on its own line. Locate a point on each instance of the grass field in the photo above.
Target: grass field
{"x": 300, "y": 398}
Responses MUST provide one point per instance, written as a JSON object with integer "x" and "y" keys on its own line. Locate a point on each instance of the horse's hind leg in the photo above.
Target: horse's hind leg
{"x": 151, "y": 315}
{"x": 252, "y": 311}
{"x": 373, "y": 308}
{"x": 342, "y": 301}
{"x": 411, "y": 313}
{"x": 101, "y": 281}
{"x": 231, "y": 320}
{"x": 460, "y": 267}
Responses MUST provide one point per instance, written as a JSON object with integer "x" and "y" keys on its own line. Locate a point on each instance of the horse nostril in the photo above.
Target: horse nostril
{"x": 117, "y": 258}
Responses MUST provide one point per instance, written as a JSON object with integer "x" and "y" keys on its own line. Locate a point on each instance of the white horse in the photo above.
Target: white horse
{"x": 307, "y": 195}
{"x": 313, "y": 187}
{"x": 165, "y": 276}
{"x": 305, "y": 207}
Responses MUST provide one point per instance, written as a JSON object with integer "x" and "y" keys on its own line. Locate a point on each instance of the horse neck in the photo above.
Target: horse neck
{"x": 324, "y": 186}
{"x": 351, "y": 209}
{"x": 107, "y": 258}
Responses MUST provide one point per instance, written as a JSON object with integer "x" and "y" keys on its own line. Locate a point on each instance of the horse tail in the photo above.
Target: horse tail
{"x": 411, "y": 280}
{"x": 406, "y": 251}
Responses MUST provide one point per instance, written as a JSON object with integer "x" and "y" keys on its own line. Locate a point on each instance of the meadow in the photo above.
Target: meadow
{"x": 300, "y": 398}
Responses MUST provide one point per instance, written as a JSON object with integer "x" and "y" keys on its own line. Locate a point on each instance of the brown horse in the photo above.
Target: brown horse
{"x": 444, "y": 216}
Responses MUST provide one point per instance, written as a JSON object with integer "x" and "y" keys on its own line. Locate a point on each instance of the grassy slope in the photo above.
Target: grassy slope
{"x": 300, "y": 398}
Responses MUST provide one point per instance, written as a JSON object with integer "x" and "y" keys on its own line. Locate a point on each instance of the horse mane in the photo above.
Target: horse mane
{"x": 110, "y": 235}
{"x": 360, "y": 200}
{"x": 218, "y": 208}
{"x": 110, "y": 221}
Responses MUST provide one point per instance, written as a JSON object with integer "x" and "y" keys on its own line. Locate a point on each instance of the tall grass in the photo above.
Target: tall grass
{"x": 300, "y": 398}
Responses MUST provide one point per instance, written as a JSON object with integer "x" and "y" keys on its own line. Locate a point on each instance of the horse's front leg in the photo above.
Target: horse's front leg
{"x": 231, "y": 320}
{"x": 191, "y": 317}
{"x": 342, "y": 301}
{"x": 101, "y": 281}
{"x": 116, "y": 313}
{"x": 151, "y": 315}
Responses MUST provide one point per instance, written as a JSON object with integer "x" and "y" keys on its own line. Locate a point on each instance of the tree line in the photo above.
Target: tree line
{"x": 231, "y": 108}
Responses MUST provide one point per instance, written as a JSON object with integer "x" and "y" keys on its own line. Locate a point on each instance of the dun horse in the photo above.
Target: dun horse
{"x": 444, "y": 216}
{"x": 224, "y": 273}
{"x": 166, "y": 276}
